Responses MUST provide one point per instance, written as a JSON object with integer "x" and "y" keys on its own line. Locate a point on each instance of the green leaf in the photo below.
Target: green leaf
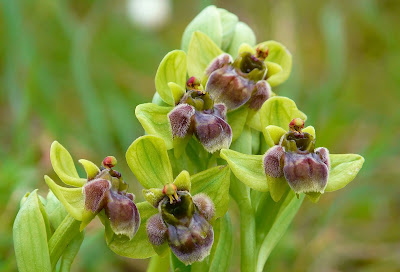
{"x": 64, "y": 166}
{"x": 247, "y": 168}
{"x": 243, "y": 34}
{"x": 71, "y": 198}
{"x": 273, "y": 134}
{"x": 202, "y": 50}
{"x": 172, "y": 69}
{"x": 344, "y": 168}
{"x": 91, "y": 169}
{"x": 237, "y": 120}
{"x": 228, "y": 23}
{"x": 30, "y": 236}
{"x": 148, "y": 159}
{"x": 276, "y": 226}
{"x": 214, "y": 183}
{"x": 182, "y": 181}
{"x": 220, "y": 259}
{"x": 279, "y": 55}
{"x": 154, "y": 120}
{"x": 208, "y": 22}
{"x": 279, "y": 111}
{"x": 139, "y": 247}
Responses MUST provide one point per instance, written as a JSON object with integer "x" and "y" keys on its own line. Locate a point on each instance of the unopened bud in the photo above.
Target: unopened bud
{"x": 109, "y": 162}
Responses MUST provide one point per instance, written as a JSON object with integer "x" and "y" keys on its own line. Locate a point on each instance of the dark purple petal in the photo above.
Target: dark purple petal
{"x": 205, "y": 206}
{"x": 262, "y": 93}
{"x": 123, "y": 214}
{"x": 213, "y": 132}
{"x": 180, "y": 118}
{"x": 324, "y": 155}
{"x": 156, "y": 230}
{"x": 218, "y": 63}
{"x": 273, "y": 159}
{"x": 95, "y": 192}
{"x": 220, "y": 111}
{"x": 305, "y": 173}
{"x": 191, "y": 243}
{"x": 226, "y": 86}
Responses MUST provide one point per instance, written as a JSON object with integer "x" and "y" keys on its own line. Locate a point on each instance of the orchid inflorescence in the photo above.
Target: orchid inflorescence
{"x": 215, "y": 129}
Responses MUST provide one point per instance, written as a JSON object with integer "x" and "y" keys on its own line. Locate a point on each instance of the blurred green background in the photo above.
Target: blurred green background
{"x": 75, "y": 70}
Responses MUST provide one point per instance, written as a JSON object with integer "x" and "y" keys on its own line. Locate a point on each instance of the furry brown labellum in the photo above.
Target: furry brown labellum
{"x": 305, "y": 169}
{"x": 184, "y": 224}
{"x": 239, "y": 82}
{"x": 197, "y": 114}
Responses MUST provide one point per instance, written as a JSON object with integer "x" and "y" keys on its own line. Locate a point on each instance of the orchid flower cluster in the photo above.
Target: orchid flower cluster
{"x": 215, "y": 129}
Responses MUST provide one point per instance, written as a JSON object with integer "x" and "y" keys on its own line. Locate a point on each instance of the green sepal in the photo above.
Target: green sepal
{"x": 310, "y": 130}
{"x": 64, "y": 166}
{"x": 154, "y": 120}
{"x": 91, "y": 169}
{"x": 247, "y": 168}
{"x": 277, "y": 187}
{"x": 148, "y": 159}
{"x": 214, "y": 182}
{"x": 314, "y": 196}
{"x": 279, "y": 111}
{"x": 273, "y": 134}
{"x": 153, "y": 196}
{"x": 208, "y": 22}
{"x": 202, "y": 50}
{"x": 237, "y": 120}
{"x": 228, "y": 22}
{"x": 182, "y": 181}
{"x": 281, "y": 56}
{"x": 71, "y": 198}
{"x": 30, "y": 235}
{"x": 344, "y": 168}
{"x": 172, "y": 69}
{"x": 243, "y": 34}
{"x": 139, "y": 246}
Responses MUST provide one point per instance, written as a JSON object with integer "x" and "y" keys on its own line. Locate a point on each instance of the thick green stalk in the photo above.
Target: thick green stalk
{"x": 241, "y": 195}
{"x": 61, "y": 238}
{"x": 70, "y": 252}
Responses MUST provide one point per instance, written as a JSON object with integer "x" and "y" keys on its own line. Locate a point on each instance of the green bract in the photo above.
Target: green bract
{"x": 223, "y": 28}
{"x": 31, "y": 232}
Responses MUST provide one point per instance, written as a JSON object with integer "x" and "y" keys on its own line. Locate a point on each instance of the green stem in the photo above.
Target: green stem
{"x": 70, "y": 252}
{"x": 241, "y": 194}
{"x": 66, "y": 231}
{"x": 158, "y": 264}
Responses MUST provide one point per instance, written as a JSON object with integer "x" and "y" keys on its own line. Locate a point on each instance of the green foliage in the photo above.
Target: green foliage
{"x": 31, "y": 232}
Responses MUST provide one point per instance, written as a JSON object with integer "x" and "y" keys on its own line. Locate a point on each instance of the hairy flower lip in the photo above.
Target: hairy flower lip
{"x": 185, "y": 225}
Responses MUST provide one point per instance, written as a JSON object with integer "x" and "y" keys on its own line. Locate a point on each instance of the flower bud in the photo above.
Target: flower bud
{"x": 109, "y": 162}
